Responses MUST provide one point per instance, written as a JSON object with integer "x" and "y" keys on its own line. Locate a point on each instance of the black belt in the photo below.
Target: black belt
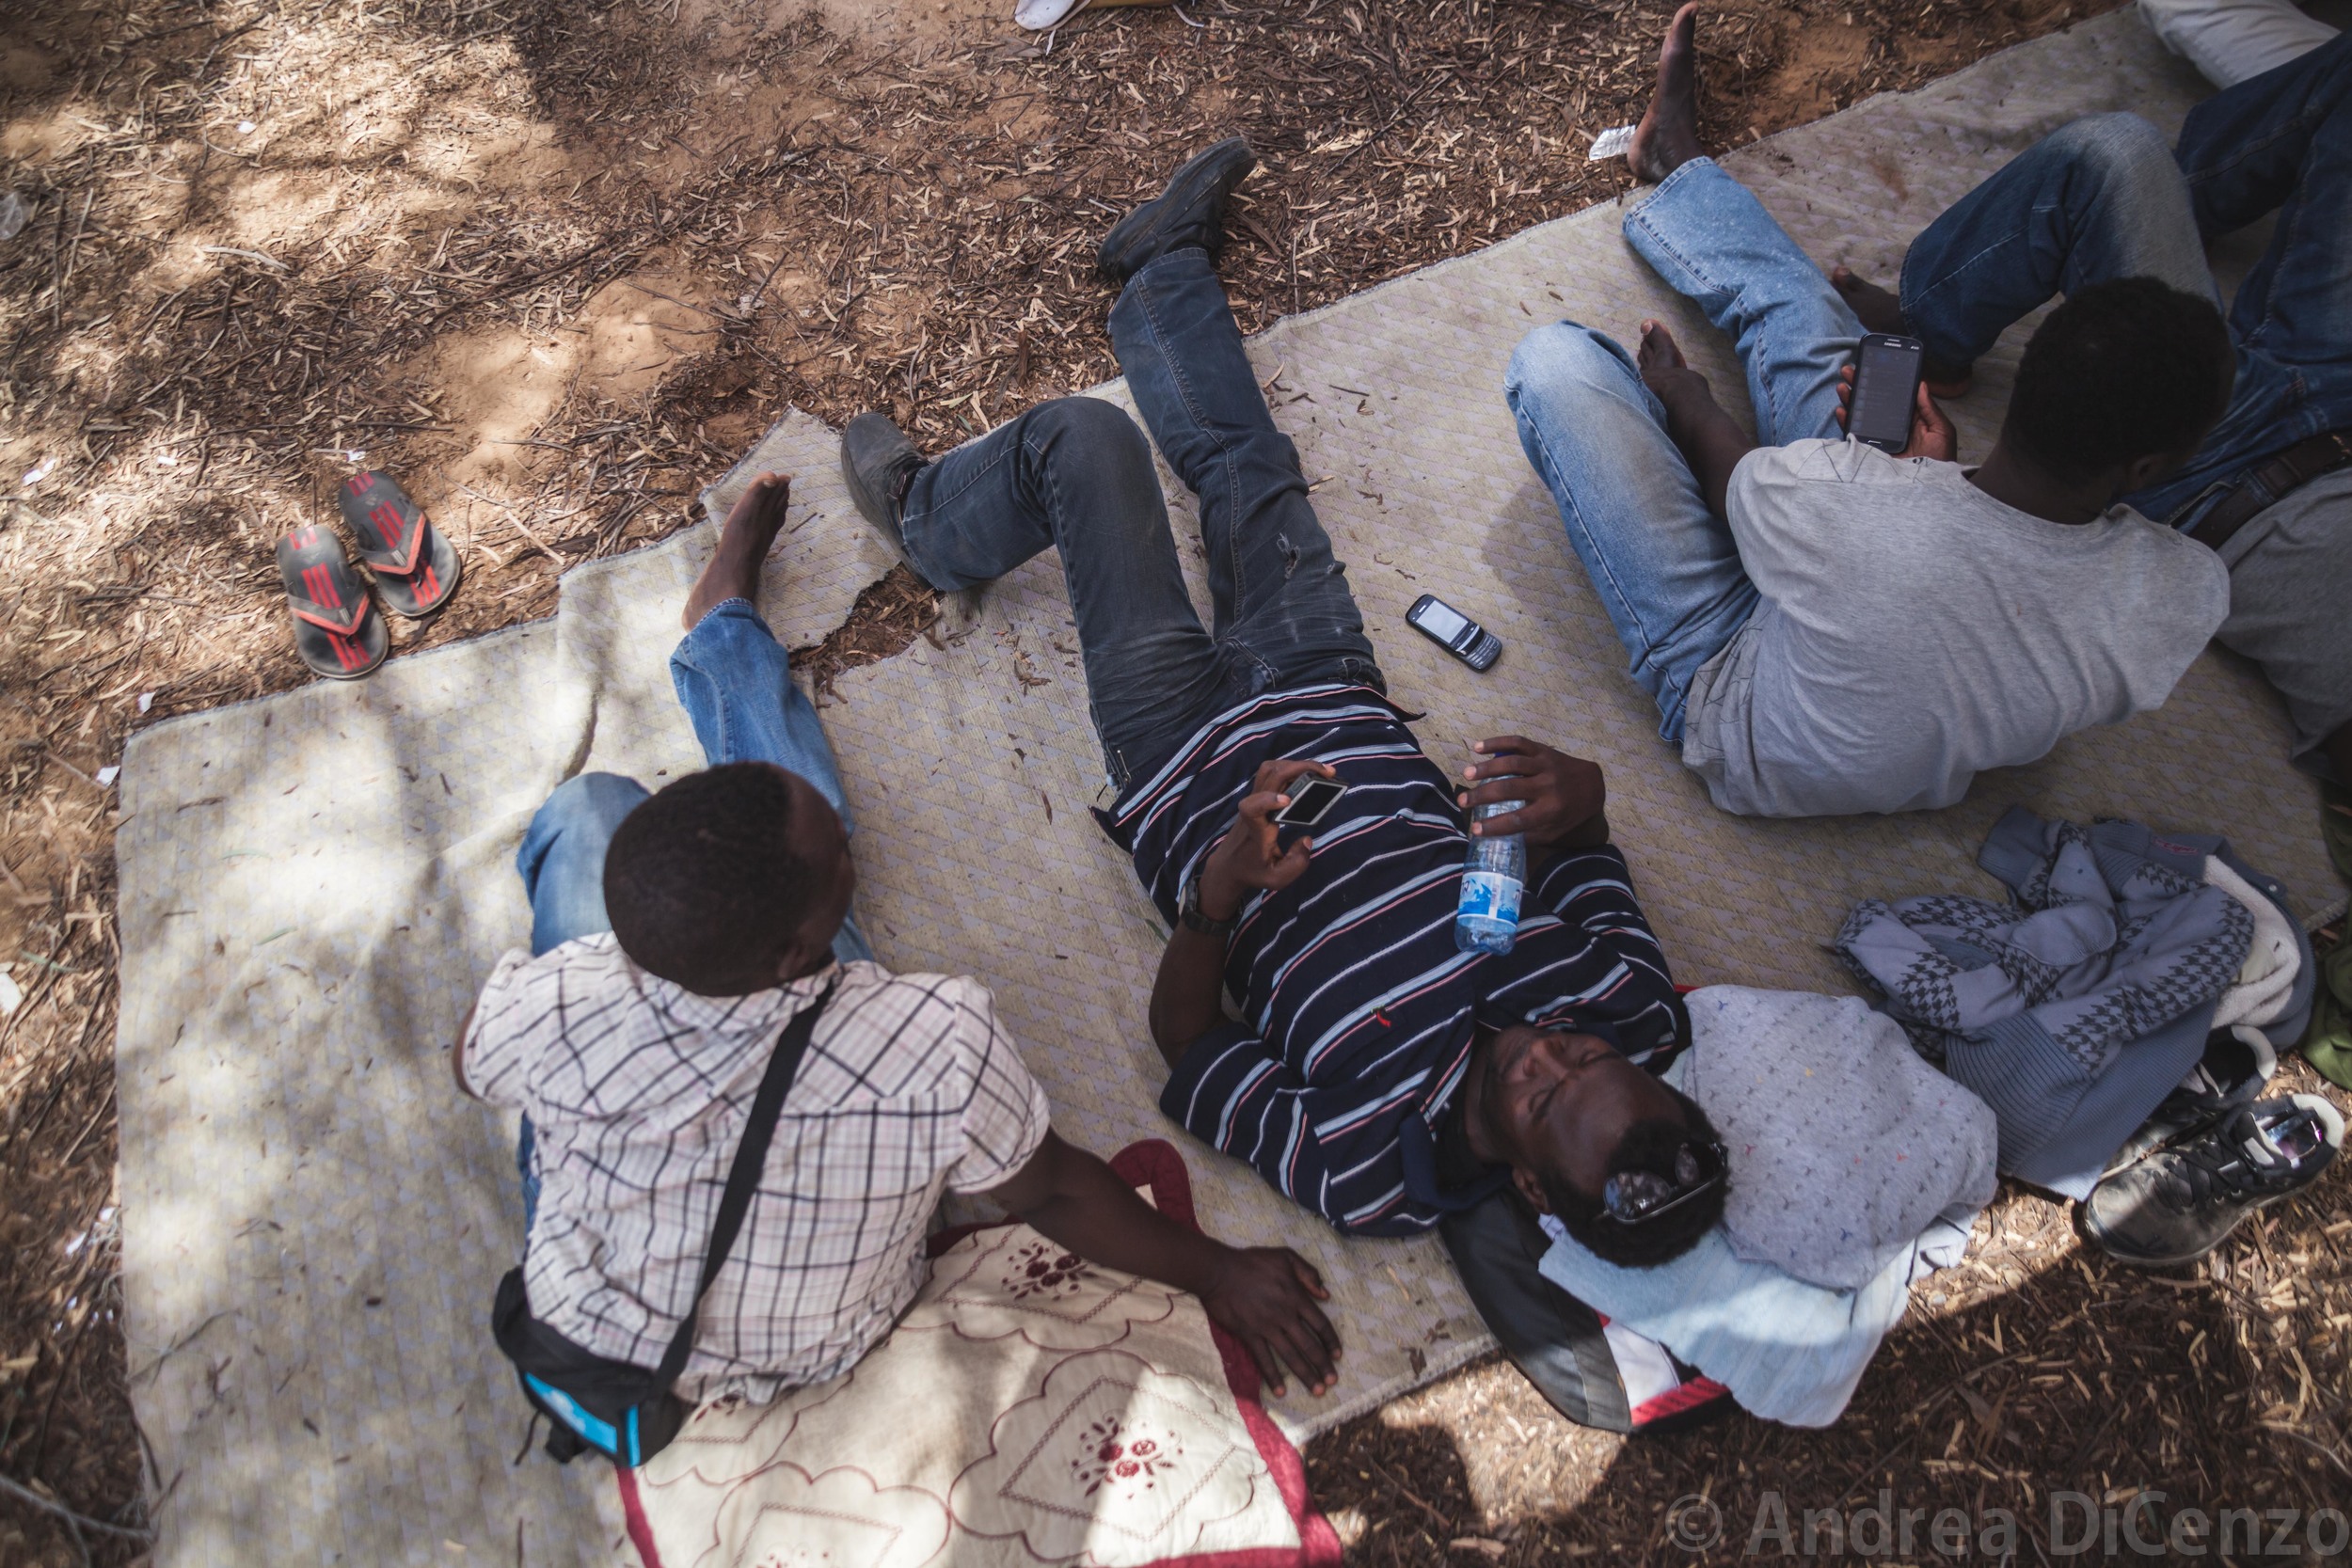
{"x": 2271, "y": 484}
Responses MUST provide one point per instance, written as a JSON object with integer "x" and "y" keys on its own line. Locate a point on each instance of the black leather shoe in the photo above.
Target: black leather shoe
{"x": 1190, "y": 212}
{"x": 2178, "y": 1203}
{"x": 878, "y": 463}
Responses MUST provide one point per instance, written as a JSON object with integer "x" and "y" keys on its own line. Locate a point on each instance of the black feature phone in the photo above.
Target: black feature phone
{"x": 1453, "y": 631}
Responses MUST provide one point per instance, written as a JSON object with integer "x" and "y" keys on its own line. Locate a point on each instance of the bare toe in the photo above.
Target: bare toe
{"x": 1658, "y": 349}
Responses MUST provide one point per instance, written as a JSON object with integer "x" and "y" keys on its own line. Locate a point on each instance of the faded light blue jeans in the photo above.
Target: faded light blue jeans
{"x": 1077, "y": 475}
{"x": 1666, "y": 569}
{"x": 735, "y": 681}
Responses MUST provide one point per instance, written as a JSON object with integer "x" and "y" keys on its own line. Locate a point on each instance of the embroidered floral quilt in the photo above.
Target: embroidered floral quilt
{"x": 1029, "y": 1409}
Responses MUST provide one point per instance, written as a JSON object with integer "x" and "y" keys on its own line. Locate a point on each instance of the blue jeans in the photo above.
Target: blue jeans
{"x": 1077, "y": 475}
{"x": 1665, "y": 568}
{"x": 735, "y": 682}
{"x": 2105, "y": 198}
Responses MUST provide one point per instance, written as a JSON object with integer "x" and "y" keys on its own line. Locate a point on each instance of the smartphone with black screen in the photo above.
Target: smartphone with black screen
{"x": 1886, "y": 390}
{"x": 1311, "y": 801}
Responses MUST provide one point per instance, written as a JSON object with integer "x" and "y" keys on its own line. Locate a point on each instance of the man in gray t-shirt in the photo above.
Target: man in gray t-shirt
{"x": 1830, "y": 629}
{"x": 2270, "y": 489}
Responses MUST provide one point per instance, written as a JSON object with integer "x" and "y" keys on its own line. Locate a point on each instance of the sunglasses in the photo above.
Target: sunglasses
{"x": 1639, "y": 1197}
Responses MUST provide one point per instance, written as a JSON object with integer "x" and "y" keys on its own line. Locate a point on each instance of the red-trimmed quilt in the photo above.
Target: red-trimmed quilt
{"x": 1031, "y": 1408}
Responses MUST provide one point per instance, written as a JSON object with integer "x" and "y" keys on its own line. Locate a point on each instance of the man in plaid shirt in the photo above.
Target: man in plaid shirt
{"x": 673, "y": 937}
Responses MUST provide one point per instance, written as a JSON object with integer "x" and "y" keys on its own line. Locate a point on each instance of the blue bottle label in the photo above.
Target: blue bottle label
{"x": 1489, "y": 895}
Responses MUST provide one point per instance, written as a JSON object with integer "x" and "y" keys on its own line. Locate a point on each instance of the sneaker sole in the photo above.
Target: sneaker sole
{"x": 2140, "y": 1260}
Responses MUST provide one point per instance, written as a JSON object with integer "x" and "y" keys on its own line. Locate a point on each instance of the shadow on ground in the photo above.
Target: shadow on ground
{"x": 2085, "y": 1389}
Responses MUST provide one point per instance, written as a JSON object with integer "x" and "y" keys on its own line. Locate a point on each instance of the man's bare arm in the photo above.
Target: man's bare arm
{"x": 1264, "y": 1296}
{"x": 1187, "y": 997}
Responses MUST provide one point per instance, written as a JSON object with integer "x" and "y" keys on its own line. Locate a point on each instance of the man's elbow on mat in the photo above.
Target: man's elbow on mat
{"x": 458, "y": 1054}
{"x": 1175, "y": 1037}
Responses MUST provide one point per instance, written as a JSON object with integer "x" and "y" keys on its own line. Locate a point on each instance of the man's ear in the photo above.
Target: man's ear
{"x": 1531, "y": 1189}
{"x": 802, "y": 956}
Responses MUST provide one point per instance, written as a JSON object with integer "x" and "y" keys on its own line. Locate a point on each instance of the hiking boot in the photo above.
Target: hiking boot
{"x": 2177, "y": 1203}
{"x": 1190, "y": 212}
{"x": 879, "y": 463}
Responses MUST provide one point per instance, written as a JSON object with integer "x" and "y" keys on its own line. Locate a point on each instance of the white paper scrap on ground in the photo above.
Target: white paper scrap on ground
{"x": 1611, "y": 143}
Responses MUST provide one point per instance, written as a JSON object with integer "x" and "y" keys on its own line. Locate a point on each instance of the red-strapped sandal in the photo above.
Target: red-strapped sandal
{"x": 337, "y": 630}
{"x": 416, "y": 569}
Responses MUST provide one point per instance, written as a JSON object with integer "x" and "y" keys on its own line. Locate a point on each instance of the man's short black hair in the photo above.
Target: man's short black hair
{"x": 1646, "y": 1146}
{"x": 2122, "y": 370}
{"x": 701, "y": 881}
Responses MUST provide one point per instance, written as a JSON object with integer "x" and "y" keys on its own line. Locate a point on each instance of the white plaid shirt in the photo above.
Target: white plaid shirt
{"x": 639, "y": 1092}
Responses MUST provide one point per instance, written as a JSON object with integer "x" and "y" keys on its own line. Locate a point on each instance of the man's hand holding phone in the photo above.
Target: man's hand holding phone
{"x": 1932, "y": 432}
{"x": 1249, "y": 855}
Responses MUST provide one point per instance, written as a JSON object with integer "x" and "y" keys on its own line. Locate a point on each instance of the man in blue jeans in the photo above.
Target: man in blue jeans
{"x": 1376, "y": 1074}
{"x": 2270, "y": 490}
{"x": 674, "y": 938}
{"x": 1827, "y": 628}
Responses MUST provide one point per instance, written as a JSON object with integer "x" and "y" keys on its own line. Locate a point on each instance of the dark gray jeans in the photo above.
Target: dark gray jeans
{"x": 1077, "y": 475}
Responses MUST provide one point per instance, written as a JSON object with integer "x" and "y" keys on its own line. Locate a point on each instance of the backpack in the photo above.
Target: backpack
{"x": 1596, "y": 1372}
{"x": 622, "y": 1411}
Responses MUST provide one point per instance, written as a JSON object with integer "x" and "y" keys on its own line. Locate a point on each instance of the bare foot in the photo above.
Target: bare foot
{"x": 1875, "y": 307}
{"x": 750, "y": 527}
{"x": 1664, "y": 372}
{"x": 1879, "y": 310}
{"x": 1668, "y": 136}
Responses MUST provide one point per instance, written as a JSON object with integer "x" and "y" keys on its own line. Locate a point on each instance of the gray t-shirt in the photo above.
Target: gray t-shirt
{"x": 2291, "y": 606}
{"x": 1913, "y": 630}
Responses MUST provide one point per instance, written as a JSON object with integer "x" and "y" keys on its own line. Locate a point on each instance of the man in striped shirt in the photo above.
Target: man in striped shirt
{"x": 1376, "y": 1074}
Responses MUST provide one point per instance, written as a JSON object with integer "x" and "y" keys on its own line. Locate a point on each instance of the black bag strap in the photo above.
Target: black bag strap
{"x": 751, "y": 1158}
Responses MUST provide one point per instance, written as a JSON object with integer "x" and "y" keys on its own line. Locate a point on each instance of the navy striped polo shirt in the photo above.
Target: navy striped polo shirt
{"x": 1358, "y": 1012}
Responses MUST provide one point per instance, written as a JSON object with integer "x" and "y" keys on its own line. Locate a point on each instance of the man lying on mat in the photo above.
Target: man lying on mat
{"x": 1826, "y": 627}
{"x": 673, "y": 938}
{"x": 2270, "y": 487}
{"x": 1380, "y": 1077}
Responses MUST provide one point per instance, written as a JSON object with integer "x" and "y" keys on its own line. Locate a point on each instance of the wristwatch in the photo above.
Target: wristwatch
{"x": 1189, "y": 911}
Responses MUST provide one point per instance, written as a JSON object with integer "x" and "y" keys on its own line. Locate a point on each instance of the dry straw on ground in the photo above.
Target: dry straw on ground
{"x": 555, "y": 265}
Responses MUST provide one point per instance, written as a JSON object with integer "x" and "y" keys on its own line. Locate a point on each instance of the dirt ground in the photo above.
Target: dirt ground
{"x": 554, "y": 264}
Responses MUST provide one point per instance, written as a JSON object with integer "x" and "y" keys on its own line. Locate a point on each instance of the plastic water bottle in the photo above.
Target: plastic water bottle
{"x": 1488, "y": 918}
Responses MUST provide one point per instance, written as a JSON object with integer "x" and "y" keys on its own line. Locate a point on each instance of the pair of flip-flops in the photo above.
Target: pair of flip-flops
{"x": 337, "y": 630}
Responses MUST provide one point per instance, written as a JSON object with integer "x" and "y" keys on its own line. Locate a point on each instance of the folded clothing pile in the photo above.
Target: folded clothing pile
{"x": 1845, "y": 1146}
{"x": 2074, "y": 1010}
{"x": 1855, "y": 1167}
